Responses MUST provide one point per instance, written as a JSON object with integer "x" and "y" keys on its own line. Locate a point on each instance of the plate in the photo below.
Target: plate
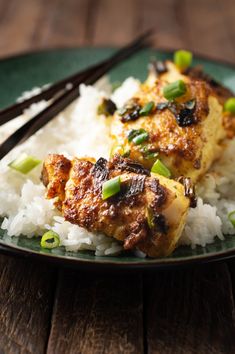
{"x": 21, "y": 73}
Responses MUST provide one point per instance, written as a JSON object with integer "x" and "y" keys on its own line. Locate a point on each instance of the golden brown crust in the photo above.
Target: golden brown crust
{"x": 123, "y": 216}
{"x": 229, "y": 124}
{"x": 181, "y": 147}
{"x": 55, "y": 174}
{"x": 222, "y": 92}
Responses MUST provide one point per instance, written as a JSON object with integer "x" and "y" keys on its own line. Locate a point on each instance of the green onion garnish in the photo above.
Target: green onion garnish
{"x": 24, "y": 163}
{"x": 111, "y": 187}
{"x": 150, "y": 155}
{"x": 183, "y": 59}
{"x": 133, "y": 133}
{"x": 174, "y": 90}
{"x": 139, "y": 139}
{"x": 147, "y": 109}
{"x": 229, "y": 105}
{"x": 50, "y": 240}
{"x": 161, "y": 169}
{"x": 150, "y": 217}
{"x": 231, "y": 217}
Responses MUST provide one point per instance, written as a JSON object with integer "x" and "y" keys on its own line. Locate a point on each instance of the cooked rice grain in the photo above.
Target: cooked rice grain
{"x": 78, "y": 131}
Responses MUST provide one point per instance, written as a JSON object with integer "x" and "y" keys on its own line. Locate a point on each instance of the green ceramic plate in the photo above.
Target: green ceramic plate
{"x": 23, "y": 72}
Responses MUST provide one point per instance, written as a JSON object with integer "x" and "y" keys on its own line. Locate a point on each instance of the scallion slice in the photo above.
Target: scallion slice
{"x": 150, "y": 217}
{"x": 147, "y": 109}
{"x": 229, "y": 105}
{"x": 111, "y": 187}
{"x": 174, "y": 90}
{"x": 231, "y": 217}
{"x": 139, "y": 139}
{"x": 150, "y": 155}
{"x": 183, "y": 59}
{"x": 24, "y": 163}
{"x": 133, "y": 133}
{"x": 159, "y": 168}
{"x": 50, "y": 240}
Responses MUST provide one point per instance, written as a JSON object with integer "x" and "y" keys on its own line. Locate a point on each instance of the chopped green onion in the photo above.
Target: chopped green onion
{"x": 174, "y": 90}
{"x": 111, "y": 187}
{"x": 24, "y": 163}
{"x": 147, "y": 109}
{"x": 50, "y": 240}
{"x": 133, "y": 133}
{"x": 161, "y": 169}
{"x": 139, "y": 139}
{"x": 229, "y": 105}
{"x": 150, "y": 217}
{"x": 231, "y": 217}
{"x": 183, "y": 59}
{"x": 150, "y": 155}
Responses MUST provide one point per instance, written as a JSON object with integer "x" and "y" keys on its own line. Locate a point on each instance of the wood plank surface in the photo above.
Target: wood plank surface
{"x": 115, "y": 22}
{"x": 96, "y": 314}
{"x": 206, "y": 27}
{"x": 173, "y": 311}
{"x": 190, "y": 311}
{"x": 26, "y": 299}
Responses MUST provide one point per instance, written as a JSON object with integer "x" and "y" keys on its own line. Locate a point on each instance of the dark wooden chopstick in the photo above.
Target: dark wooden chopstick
{"x": 65, "y": 98}
{"x": 15, "y": 110}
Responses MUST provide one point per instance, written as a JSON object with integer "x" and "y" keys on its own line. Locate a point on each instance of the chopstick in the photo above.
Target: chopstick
{"x": 17, "y": 109}
{"x": 66, "y": 97}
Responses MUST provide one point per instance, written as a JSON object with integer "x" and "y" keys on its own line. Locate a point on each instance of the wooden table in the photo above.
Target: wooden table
{"x": 44, "y": 308}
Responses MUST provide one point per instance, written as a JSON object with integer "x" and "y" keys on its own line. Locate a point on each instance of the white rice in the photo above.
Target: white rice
{"x": 78, "y": 131}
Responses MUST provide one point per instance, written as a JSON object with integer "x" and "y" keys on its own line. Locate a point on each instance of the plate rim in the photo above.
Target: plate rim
{"x": 12, "y": 249}
{"x": 196, "y": 54}
{"x": 106, "y": 263}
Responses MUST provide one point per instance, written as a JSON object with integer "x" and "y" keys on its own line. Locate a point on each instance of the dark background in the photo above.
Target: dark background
{"x": 44, "y": 308}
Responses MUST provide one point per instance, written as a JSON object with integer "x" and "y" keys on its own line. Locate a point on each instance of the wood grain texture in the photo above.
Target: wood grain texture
{"x": 207, "y": 30}
{"x": 190, "y": 311}
{"x": 162, "y": 16}
{"x": 61, "y": 23}
{"x": 96, "y": 314}
{"x": 185, "y": 310}
{"x": 26, "y": 298}
{"x": 206, "y": 26}
{"x": 115, "y": 22}
{"x": 17, "y": 24}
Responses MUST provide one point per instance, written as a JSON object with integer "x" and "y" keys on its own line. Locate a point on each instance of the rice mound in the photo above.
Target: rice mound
{"x": 78, "y": 131}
